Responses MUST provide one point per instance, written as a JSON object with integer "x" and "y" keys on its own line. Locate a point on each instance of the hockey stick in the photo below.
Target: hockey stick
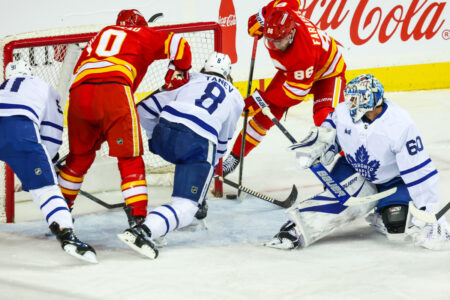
{"x": 427, "y": 217}
{"x": 102, "y": 203}
{"x": 283, "y": 203}
{"x": 244, "y": 127}
{"x": 88, "y": 195}
{"x": 319, "y": 170}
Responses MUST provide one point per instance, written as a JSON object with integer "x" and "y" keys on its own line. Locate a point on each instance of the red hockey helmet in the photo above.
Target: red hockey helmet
{"x": 279, "y": 29}
{"x": 131, "y": 17}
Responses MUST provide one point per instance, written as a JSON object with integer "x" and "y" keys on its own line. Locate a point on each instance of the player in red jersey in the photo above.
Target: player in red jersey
{"x": 308, "y": 62}
{"x": 102, "y": 106}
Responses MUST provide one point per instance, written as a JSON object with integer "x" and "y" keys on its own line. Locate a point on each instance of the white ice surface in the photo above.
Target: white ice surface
{"x": 226, "y": 261}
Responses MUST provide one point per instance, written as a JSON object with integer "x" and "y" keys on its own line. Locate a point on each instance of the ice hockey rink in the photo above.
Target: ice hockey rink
{"x": 227, "y": 261}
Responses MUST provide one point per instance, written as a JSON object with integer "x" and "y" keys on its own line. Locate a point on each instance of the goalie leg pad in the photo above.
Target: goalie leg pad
{"x": 320, "y": 215}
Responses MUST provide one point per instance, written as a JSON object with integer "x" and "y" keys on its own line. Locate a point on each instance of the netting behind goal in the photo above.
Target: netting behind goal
{"x": 52, "y": 55}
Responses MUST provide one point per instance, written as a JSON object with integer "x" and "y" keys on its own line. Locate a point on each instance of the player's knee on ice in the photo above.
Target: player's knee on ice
{"x": 394, "y": 217}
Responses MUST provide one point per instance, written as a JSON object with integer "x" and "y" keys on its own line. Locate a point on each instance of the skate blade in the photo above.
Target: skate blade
{"x": 145, "y": 250}
{"x": 277, "y": 244}
{"x": 88, "y": 256}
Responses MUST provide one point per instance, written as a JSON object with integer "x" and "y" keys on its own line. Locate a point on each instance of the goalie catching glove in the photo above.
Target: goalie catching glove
{"x": 320, "y": 143}
{"x": 175, "y": 77}
{"x": 435, "y": 236}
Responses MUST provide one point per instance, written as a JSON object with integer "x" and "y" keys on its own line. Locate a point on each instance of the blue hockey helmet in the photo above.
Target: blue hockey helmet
{"x": 363, "y": 94}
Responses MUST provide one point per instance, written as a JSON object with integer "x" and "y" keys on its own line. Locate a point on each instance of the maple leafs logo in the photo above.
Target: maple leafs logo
{"x": 362, "y": 164}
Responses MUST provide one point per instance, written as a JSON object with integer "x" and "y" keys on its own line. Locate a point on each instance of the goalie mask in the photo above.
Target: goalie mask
{"x": 17, "y": 68}
{"x": 131, "y": 17}
{"x": 279, "y": 30}
{"x": 363, "y": 94}
{"x": 218, "y": 63}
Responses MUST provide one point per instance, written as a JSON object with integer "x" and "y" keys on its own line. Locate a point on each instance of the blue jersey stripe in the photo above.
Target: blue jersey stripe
{"x": 416, "y": 167}
{"x": 47, "y": 123}
{"x": 18, "y": 106}
{"x": 418, "y": 181}
{"x": 174, "y": 213}
{"x": 163, "y": 217}
{"x": 149, "y": 110}
{"x": 157, "y": 103}
{"x": 49, "y": 139}
{"x": 192, "y": 118}
{"x": 221, "y": 152}
{"x": 223, "y": 142}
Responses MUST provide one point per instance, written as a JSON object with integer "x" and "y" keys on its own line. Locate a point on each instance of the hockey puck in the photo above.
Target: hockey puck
{"x": 231, "y": 196}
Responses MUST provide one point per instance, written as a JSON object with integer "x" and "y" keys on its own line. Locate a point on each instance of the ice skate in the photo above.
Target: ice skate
{"x": 72, "y": 245}
{"x": 138, "y": 239}
{"x": 230, "y": 164}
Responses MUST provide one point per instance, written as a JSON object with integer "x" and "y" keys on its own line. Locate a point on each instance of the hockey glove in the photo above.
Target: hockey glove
{"x": 434, "y": 236}
{"x": 250, "y": 105}
{"x": 254, "y": 27}
{"x": 319, "y": 144}
{"x": 175, "y": 78}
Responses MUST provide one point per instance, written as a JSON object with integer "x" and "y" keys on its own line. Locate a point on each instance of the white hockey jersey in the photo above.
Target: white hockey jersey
{"x": 32, "y": 97}
{"x": 388, "y": 147}
{"x": 208, "y": 105}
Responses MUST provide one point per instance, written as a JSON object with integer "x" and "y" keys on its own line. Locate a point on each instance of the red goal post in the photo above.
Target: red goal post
{"x": 51, "y": 56}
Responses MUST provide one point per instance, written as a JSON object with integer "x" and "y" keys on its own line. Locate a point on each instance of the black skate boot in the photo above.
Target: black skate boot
{"x": 286, "y": 239}
{"x": 138, "y": 239}
{"x": 133, "y": 220}
{"x": 72, "y": 245}
{"x": 202, "y": 211}
{"x": 230, "y": 164}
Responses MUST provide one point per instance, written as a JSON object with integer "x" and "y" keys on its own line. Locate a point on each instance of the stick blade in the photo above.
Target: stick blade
{"x": 375, "y": 197}
{"x": 290, "y": 200}
{"x": 420, "y": 214}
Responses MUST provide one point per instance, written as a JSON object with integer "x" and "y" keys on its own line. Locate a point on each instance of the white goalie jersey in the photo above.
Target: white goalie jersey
{"x": 388, "y": 147}
{"x": 32, "y": 97}
{"x": 208, "y": 105}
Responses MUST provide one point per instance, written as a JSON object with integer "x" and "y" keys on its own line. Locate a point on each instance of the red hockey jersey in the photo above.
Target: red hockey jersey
{"x": 312, "y": 56}
{"x": 124, "y": 53}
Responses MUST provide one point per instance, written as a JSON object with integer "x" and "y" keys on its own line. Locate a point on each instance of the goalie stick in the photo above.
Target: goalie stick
{"x": 282, "y": 203}
{"x": 427, "y": 217}
{"x": 319, "y": 170}
{"x": 244, "y": 127}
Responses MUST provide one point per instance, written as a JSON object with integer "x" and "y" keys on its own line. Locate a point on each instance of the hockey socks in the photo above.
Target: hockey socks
{"x": 134, "y": 185}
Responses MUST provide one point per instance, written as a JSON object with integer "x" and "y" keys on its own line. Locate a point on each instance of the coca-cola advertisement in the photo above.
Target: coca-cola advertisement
{"x": 227, "y": 21}
{"x": 373, "y": 33}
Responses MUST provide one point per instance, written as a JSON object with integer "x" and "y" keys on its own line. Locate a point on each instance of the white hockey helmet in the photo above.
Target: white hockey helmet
{"x": 218, "y": 63}
{"x": 17, "y": 68}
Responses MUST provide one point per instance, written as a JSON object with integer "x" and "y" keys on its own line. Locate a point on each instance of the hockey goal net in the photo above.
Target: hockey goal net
{"x": 52, "y": 55}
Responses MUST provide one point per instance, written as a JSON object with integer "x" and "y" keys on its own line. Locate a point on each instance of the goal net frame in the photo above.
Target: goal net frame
{"x": 81, "y": 35}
